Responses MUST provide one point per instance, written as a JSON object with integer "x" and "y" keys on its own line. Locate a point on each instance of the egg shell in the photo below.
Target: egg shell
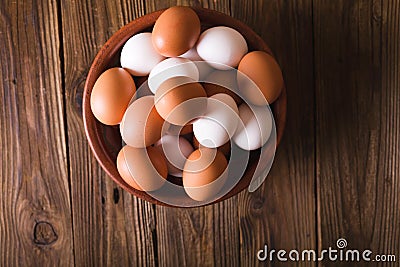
{"x": 171, "y": 67}
{"x": 222, "y": 47}
{"x": 180, "y": 100}
{"x": 144, "y": 169}
{"x": 141, "y": 125}
{"x": 176, "y": 31}
{"x": 176, "y": 150}
{"x": 265, "y": 72}
{"x": 204, "y": 174}
{"x": 222, "y": 81}
{"x": 224, "y": 149}
{"x": 255, "y": 127}
{"x": 219, "y": 122}
{"x": 111, "y": 95}
{"x": 138, "y": 55}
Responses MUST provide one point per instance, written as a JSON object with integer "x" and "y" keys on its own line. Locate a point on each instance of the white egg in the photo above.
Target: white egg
{"x": 219, "y": 123}
{"x": 222, "y": 47}
{"x": 254, "y": 128}
{"x": 172, "y": 67}
{"x": 176, "y": 150}
{"x": 138, "y": 55}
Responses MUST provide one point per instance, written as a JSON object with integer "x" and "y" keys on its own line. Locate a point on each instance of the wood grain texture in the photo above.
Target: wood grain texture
{"x": 199, "y": 236}
{"x": 357, "y": 78}
{"x": 281, "y": 214}
{"x": 336, "y": 173}
{"x": 110, "y": 226}
{"x": 35, "y": 219}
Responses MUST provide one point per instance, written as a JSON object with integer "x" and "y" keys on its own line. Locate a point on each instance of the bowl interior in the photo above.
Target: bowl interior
{"x": 106, "y": 142}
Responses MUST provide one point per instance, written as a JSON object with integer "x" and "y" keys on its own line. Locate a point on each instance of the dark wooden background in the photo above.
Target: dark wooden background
{"x": 336, "y": 174}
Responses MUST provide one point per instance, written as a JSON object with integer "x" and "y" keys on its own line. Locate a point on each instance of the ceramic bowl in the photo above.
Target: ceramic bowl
{"x": 105, "y": 141}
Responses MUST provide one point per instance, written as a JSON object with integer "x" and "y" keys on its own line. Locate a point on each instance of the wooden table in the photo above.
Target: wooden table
{"x": 336, "y": 174}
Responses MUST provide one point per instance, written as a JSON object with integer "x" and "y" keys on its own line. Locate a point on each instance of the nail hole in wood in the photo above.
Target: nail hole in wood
{"x": 116, "y": 195}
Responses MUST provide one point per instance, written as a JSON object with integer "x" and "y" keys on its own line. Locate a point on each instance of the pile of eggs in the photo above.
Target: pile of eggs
{"x": 180, "y": 125}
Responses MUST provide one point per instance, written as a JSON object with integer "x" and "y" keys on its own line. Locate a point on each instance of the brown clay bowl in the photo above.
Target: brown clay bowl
{"x": 105, "y": 141}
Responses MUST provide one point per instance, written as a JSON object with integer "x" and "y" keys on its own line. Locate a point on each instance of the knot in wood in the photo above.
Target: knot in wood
{"x": 257, "y": 204}
{"x": 44, "y": 233}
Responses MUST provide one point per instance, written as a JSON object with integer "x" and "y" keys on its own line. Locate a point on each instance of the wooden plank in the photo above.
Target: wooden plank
{"x": 110, "y": 226}
{"x": 357, "y": 57}
{"x": 205, "y": 236}
{"x": 281, "y": 214}
{"x": 199, "y": 236}
{"x": 388, "y": 239}
{"x": 35, "y": 220}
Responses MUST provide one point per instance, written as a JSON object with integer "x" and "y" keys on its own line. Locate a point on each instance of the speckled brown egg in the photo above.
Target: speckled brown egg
{"x": 180, "y": 100}
{"x": 144, "y": 169}
{"x": 111, "y": 95}
{"x": 265, "y": 72}
{"x": 176, "y": 31}
{"x": 204, "y": 174}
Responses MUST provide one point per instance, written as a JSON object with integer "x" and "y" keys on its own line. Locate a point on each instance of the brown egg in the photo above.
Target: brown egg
{"x": 204, "y": 174}
{"x": 144, "y": 169}
{"x": 224, "y": 149}
{"x": 265, "y": 73}
{"x": 141, "y": 125}
{"x": 111, "y": 94}
{"x": 222, "y": 81}
{"x": 176, "y": 31}
{"x": 179, "y": 100}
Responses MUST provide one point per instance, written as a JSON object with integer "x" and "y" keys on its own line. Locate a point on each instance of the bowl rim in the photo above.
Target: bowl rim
{"x": 113, "y": 45}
